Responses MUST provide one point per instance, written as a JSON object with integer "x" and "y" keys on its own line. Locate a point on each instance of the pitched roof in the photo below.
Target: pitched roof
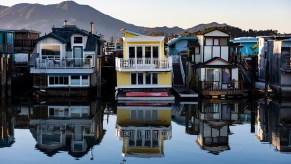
{"x": 223, "y": 62}
{"x": 52, "y": 36}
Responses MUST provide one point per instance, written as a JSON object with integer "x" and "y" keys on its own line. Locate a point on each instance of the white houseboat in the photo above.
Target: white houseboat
{"x": 67, "y": 59}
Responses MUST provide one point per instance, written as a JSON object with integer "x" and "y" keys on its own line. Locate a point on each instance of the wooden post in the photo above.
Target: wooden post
{"x": 3, "y": 76}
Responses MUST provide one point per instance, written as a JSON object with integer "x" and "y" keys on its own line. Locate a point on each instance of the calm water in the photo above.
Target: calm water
{"x": 91, "y": 131}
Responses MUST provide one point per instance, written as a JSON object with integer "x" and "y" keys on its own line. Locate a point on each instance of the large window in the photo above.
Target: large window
{"x": 143, "y": 51}
{"x": 58, "y": 80}
{"x": 50, "y": 51}
{"x": 144, "y": 78}
{"x": 144, "y": 115}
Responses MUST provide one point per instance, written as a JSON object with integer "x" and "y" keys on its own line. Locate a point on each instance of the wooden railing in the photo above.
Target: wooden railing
{"x": 67, "y": 63}
{"x": 232, "y": 87}
{"x": 143, "y": 64}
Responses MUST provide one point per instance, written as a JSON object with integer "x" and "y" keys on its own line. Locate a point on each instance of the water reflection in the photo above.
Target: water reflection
{"x": 71, "y": 125}
{"x": 7, "y": 125}
{"x": 274, "y": 124}
{"x": 143, "y": 128}
{"x": 210, "y": 121}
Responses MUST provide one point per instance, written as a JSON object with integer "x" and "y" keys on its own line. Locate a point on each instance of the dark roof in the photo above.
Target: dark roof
{"x": 52, "y": 35}
{"x": 64, "y": 35}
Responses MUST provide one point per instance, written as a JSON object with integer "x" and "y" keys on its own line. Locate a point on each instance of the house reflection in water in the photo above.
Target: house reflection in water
{"x": 274, "y": 124}
{"x": 215, "y": 118}
{"x": 143, "y": 127}
{"x": 7, "y": 124}
{"x": 67, "y": 125}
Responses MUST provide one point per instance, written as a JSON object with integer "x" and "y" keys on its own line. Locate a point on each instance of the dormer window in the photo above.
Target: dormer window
{"x": 78, "y": 40}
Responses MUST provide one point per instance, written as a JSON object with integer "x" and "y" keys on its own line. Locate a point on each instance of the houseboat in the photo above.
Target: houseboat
{"x": 216, "y": 74}
{"x": 67, "y": 60}
{"x": 275, "y": 67}
{"x": 144, "y": 72}
{"x": 143, "y": 128}
{"x": 71, "y": 125}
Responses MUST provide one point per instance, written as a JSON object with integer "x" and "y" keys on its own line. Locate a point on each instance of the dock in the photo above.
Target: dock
{"x": 185, "y": 94}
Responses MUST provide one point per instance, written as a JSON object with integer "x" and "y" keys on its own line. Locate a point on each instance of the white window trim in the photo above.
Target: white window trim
{"x": 143, "y": 50}
{"x": 50, "y": 44}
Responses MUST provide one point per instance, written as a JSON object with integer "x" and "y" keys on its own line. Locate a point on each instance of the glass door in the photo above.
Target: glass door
{"x": 78, "y": 56}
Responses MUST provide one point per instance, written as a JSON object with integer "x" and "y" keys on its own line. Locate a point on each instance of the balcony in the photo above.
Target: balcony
{"x": 143, "y": 64}
{"x": 218, "y": 88}
{"x": 67, "y": 65}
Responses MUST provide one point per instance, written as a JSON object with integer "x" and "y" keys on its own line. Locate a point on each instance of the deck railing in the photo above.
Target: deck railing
{"x": 6, "y": 48}
{"x": 232, "y": 87}
{"x": 143, "y": 64}
{"x": 67, "y": 63}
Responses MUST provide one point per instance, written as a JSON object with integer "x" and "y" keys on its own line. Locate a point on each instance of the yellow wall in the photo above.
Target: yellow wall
{"x": 123, "y": 78}
{"x": 165, "y": 78}
{"x": 124, "y": 50}
{"x": 123, "y": 118}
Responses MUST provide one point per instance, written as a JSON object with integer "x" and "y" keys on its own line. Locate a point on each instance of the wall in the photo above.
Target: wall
{"x": 123, "y": 78}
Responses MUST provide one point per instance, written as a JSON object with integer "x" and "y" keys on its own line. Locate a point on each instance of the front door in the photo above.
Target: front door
{"x": 78, "y": 56}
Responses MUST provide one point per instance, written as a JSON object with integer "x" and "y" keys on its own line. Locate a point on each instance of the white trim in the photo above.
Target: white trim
{"x": 144, "y": 108}
{"x": 143, "y": 50}
{"x": 143, "y": 39}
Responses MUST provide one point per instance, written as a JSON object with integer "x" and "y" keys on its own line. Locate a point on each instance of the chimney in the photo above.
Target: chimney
{"x": 65, "y": 22}
{"x": 91, "y": 27}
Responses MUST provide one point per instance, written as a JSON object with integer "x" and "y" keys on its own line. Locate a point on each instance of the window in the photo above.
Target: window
{"x": 155, "y": 78}
{"x": 208, "y": 42}
{"x": 133, "y": 78}
{"x": 144, "y": 115}
{"x": 75, "y": 80}
{"x": 78, "y": 40}
{"x": 216, "y": 42}
{"x": 140, "y": 78}
{"x": 50, "y": 51}
{"x": 139, "y": 52}
{"x": 144, "y": 78}
{"x": 85, "y": 80}
{"x": 143, "y": 51}
{"x": 131, "y": 52}
{"x": 155, "y": 52}
{"x": 58, "y": 80}
{"x": 148, "y": 52}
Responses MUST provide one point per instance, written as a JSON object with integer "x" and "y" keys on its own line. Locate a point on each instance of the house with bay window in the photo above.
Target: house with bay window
{"x": 217, "y": 75}
{"x": 67, "y": 59}
{"x": 144, "y": 70}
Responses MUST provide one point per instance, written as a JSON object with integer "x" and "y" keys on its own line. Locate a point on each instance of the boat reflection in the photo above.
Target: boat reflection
{"x": 274, "y": 124}
{"x": 210, "y": 121}
{"x": 71, "y": 125}
{"x": 143, "y": 128}
{"x": 7, "y": 125}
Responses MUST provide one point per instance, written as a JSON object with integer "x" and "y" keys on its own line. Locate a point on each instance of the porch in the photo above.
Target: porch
{"x": 218, "y": 88}
{"x": 143, "y": 64}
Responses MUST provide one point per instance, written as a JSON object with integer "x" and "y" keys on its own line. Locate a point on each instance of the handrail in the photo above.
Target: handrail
{"x": 66, "y": 63}
{"x": 218, "y": 85}
{"x": 143, "y": 63}
{"x": 182, "y": 70}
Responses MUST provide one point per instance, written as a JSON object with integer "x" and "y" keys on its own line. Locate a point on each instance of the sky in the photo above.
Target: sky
{"x": 245, "y": 14}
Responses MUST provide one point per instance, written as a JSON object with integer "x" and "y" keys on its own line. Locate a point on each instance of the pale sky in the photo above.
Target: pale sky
{"x": 245, "y": 14}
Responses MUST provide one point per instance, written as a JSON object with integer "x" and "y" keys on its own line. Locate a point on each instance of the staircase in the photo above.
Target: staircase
{"x": 178, "y": 80}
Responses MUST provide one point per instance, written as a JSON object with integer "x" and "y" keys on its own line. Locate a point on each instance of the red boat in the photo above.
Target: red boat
{"x": 146, "y": 94}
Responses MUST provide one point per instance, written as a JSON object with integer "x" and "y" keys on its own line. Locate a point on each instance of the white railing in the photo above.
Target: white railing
{"x": 67, "y": 63}
{"x": 143, "y": 64}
